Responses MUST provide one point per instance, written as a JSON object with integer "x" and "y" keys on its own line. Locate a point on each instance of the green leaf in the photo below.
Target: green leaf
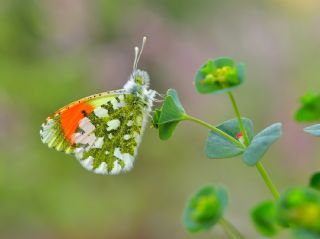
{"x": 299, "y": 207}
{"x": 220, "y": 147}
{"x": 219, "y": 76}
{"x": 166, "y": 130}
{"x": 313, "y": 130}
{"x": 172, "y": 109}
{"x": 261, "y": 143}
{"x": 315, "y": 181}
{"x": 205, "y": 208}
{"x": 300, "y": 233}
{"x": 264, "y": 218}
{"x": 310, "y": 109}
{"x": 155, "y": 118}
{"x": 166, "y": 118}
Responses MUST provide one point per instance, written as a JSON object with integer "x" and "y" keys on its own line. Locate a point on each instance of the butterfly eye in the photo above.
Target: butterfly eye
{"x": 139, "y": 80}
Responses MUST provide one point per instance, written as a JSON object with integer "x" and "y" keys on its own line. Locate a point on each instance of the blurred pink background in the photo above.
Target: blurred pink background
{"x": 53, "y": 52}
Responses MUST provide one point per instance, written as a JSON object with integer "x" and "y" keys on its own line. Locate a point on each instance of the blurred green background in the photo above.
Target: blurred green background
{"x": 53, "y": 52}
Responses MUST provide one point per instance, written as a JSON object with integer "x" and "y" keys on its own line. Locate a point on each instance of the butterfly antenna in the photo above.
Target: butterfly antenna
{"x": 135, "y": 62}
{"x": 137, "y": 53}
{"x": 144, "y": 39}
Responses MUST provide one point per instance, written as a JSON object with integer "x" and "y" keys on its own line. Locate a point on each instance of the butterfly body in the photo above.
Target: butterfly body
{"x": 103, "y": 131}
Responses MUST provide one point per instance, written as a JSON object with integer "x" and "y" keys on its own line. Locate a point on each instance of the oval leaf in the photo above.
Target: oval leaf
{"x": 264, "y": 218}
{"x": 315, "y": 181}
{"x": 261, "y": 143}
{"x": 220, "y": 147}
{"x": 313, "y": 130}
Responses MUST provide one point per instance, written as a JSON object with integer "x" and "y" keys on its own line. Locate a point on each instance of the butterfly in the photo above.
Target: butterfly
{"x": 103, "y": 131}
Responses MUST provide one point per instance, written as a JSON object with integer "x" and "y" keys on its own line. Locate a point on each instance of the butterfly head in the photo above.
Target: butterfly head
{"x": 141, "y": 78}
{"x": 138, "y": 82}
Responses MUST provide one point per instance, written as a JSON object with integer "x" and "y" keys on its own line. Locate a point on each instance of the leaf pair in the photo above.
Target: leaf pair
{"x": 220, "y": 147}
{"x": 169, "y": 115}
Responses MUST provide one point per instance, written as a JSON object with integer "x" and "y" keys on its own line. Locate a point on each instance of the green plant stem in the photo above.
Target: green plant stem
{"x": 230, "y": 230}
{"x": 215, "y": 129}
{"x": 268, "y": 180}
{"x": 259, "y": 165}
{"x": 242, "y": 128}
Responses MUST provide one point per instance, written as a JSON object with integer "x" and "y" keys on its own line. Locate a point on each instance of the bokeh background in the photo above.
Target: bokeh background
{"x": 53, "y": 52}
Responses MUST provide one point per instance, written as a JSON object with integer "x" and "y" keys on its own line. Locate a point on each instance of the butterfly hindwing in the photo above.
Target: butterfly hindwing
{"x": 117, "y": 127}
{"x": 102, "y": 131}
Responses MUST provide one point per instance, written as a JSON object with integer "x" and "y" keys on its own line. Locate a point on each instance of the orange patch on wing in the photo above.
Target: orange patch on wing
{"x": 71, "y": 116}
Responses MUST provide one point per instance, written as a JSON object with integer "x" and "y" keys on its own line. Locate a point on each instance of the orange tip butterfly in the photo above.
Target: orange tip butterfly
{"x": 103, "y": 131}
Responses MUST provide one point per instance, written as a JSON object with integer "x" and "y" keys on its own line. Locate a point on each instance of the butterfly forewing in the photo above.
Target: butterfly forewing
{"x": 57, "y": 131}
{"x": 103, "y": 131}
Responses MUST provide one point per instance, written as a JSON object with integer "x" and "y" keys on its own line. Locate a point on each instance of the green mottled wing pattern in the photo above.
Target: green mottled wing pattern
{"x": 106, "y": 140}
